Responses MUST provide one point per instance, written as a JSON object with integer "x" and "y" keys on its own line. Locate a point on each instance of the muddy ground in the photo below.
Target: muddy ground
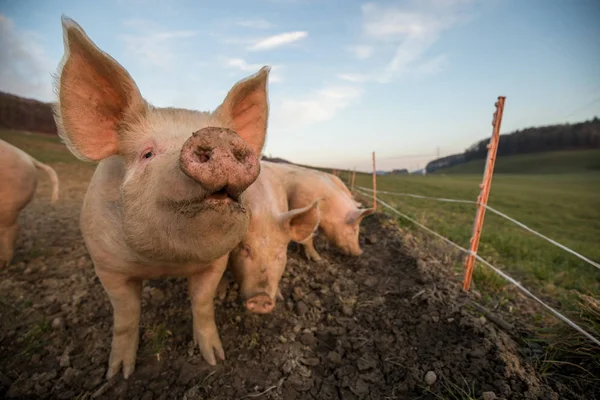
{"x": 386, "y": 325}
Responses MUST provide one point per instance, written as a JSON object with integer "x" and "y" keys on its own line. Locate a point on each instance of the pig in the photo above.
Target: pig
{"x": 340, "y": 216}
{"x": 167, "y": 196}
{"x": 18, "y": 174}
{"x": 258, "y": 262}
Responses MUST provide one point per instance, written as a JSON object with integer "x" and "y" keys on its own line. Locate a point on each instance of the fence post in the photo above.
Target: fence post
{"x": 353, "y": 178}
{"x": 485, "y": 192}
{"x": 374, "y": 184}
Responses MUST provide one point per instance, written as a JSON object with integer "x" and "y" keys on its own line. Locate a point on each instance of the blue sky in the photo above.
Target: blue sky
{"x": 401, "y": 78}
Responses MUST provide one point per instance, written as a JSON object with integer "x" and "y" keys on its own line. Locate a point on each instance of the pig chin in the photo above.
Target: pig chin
{"x": 169, "y": 236}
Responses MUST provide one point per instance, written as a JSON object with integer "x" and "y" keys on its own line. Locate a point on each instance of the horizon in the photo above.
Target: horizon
{"x": 344, "y": 85}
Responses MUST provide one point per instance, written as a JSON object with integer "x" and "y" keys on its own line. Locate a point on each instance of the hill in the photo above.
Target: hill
{"x": 556, "y": 162}
{"x": 554, "y": 138}
{"x": 24, "y": 114}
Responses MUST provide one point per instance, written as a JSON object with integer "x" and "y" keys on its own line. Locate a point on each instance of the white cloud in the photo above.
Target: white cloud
{"x": 321, "y": 106}
{"x": 152, "y": 44}
{"x": 281, "y": 39}
{"x": 361, "y": 52}
{"x": 25, "y": 70}
{"x": 240, "y": 64}
{"x": 413, "y": 29}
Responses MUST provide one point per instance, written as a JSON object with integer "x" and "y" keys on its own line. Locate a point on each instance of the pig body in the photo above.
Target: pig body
{"x": 258, "y": 262}
{"x": 18, "y": 174}
{"x": 167, "y": 197}
{"x": 340, "y": 216}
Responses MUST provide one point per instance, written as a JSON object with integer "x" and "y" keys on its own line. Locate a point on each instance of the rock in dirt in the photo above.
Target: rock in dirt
{"x": 58, "y": 323}
{"x": 334, "y": 357}
{"x": 301, "y": 308}
{"x": 70, "y": 374}
{"x": 308, "y": 339}
{"x": 65, "y": 360}
{"x": 430, "y": 378}
{"x": 361, "y": 387}
{"x": 297, "y": 293}
{"x": 489, "y": 396}
{"x": 187, "y": 373}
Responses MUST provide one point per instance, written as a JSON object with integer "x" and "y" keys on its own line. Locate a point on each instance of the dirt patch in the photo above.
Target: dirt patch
{"x": 384, "y": 325}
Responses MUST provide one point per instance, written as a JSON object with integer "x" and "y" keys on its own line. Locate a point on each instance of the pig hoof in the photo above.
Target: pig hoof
{"x": 115, "y": 364}
{"x": 210, "y": 347}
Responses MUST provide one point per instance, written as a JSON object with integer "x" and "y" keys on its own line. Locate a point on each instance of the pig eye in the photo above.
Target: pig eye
{"x": 148, "y": 154}
{"x": 246, "y": 250}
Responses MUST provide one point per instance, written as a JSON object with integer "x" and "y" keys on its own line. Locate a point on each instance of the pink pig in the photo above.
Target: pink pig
{"x": 258, "y": 262}
{"x": 167, "y": 197}
{"x": 18, "y": 175}
{"x": 340, "y": 216}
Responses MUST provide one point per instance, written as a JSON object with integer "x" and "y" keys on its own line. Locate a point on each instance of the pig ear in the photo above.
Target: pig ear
{"x": 95, "y": 96}
{"x": 354, "y": 217}
{"x": 302, "y": 222}
{"x": 246, "y": 109}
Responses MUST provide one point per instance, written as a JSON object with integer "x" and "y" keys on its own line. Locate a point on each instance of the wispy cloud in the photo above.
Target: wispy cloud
{"x": 319, "y": 106}
{"x": 279, "y": 40}
{"x": 413, "y": 28}
{"x": 242, "y": 65}
{"x": 152, "y": 44}
{"x": 25, "y": 69}
{"x": 361, "y": 52}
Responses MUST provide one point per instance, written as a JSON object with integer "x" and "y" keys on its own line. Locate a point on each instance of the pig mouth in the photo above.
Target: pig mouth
{"x": 215, "y": 200}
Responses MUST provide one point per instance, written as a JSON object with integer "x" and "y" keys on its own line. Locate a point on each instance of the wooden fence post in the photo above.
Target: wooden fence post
{"x": 485, "y": 192}
{"x": 374, "y": 184}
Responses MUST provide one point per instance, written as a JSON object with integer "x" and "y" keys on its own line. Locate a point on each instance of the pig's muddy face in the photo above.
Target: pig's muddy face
{"x": 185, "y": 172}
{"x": 183, "y": 194}
{"x": 343, "y": 231}
{"x": 259, "y": 260}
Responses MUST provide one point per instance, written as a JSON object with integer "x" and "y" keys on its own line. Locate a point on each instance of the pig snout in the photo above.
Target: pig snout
{"x": 220, "y": 161}
{"x": 260, "y": 304}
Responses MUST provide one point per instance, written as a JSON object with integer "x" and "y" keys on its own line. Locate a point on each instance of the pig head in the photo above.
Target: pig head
{"x": 259, "y": 261}
{"x": 167, "y": 197}
{"x": 340, "y": 216}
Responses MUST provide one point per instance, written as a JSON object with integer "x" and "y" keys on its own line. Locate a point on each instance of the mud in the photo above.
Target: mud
{"x": 386, "y": 325}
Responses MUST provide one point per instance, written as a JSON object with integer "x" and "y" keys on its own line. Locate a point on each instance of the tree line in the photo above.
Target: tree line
{"x": 579, "y": 136}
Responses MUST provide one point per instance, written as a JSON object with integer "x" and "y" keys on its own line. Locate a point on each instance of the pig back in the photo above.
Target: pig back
{"x": 19, "y": 180}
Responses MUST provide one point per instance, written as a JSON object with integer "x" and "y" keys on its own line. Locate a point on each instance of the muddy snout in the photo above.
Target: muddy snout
{"x": 260, "y": 304}
{"x": 220, "y": 161}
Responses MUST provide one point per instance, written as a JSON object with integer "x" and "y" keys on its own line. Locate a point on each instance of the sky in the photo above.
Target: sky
{"x": 407, "y": 79}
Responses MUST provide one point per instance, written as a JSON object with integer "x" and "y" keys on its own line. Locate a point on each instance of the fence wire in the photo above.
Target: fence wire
{"x": 493, "y": 268}
{"x": 493, "y": 210}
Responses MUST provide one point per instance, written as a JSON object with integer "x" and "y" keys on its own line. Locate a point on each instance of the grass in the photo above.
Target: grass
{"x": 43, "y": 147}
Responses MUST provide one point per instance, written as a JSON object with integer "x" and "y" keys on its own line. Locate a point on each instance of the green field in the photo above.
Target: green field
{"x": 45, "y": 148}
{"x": 564, "y": 205}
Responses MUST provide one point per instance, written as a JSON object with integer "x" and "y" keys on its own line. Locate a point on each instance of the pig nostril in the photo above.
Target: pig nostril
{"x": 240, "y": 154}
{"x": 203, "y": 154}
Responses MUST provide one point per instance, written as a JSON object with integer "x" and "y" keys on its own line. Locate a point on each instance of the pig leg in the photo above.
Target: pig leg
{"x": 202, "y": 288}
{"x": 125, "y": 296}
{"x": 8, "y": 235}
{"x": 222, "y": 287}
{"x": 309, "y": 250}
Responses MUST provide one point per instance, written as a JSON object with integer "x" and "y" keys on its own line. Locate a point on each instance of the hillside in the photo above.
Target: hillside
{"x": 23, "y": 114}
{"x": 556, "y": 162}
{"x": 554, "y": 138}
